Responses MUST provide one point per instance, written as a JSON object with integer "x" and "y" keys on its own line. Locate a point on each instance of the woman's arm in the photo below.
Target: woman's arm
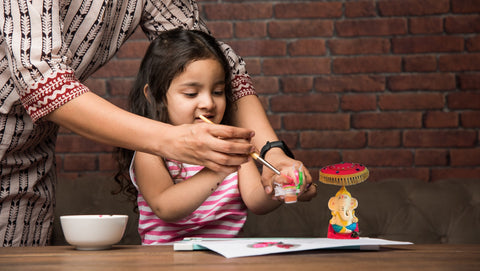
{"x": 172, "y": 202}
{"x": 95, "y": 118}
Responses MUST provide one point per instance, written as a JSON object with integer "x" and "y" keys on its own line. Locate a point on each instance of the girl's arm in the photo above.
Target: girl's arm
{"x": 252, "y": 191}
{"x": 168, "y": 201}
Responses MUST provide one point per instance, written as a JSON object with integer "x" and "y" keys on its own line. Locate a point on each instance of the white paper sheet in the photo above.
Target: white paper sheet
{"x": 242, "y": 247}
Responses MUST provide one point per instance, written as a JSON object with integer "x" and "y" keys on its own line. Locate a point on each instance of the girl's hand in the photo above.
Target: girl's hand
{"x": 218, "y": 147}
{"x": 287, "y": 166}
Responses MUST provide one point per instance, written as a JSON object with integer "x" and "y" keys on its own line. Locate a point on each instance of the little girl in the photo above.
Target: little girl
{"x": 183, "y": 75}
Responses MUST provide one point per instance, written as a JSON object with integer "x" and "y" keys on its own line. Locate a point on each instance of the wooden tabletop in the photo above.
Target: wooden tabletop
{"x": 408, "y": 257}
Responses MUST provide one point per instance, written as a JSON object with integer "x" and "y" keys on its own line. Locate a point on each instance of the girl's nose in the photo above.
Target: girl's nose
{"x": 206, "y": 101}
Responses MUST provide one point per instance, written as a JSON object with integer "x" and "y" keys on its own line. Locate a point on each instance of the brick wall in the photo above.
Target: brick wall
{"x": 394, "y": 85}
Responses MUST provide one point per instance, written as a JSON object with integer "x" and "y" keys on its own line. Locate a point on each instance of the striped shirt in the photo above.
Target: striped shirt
{"x": 221, "y": 215}
{"x": 47, "y": 48}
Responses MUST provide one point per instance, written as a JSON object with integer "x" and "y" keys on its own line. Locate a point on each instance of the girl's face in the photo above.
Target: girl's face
{"x": 198, "y": 90}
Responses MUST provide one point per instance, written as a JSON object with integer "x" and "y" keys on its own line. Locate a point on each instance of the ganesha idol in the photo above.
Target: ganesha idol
{"x": 344, "y": 223}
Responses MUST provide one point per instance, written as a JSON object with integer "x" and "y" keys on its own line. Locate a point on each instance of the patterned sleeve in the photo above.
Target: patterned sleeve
{"x": 37, "y": 56}
{"x": 164, "y": 15}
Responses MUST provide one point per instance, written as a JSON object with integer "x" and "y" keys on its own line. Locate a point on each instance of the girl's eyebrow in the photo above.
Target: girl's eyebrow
{"x": 196, "y": 84}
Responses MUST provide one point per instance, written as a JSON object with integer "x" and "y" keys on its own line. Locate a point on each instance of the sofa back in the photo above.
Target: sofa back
{"x": 446, "y": 211}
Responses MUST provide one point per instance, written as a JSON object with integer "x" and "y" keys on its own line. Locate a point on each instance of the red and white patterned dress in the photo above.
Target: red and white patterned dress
{"x": 47, "y": 48}
{"x": 221, "y": 215}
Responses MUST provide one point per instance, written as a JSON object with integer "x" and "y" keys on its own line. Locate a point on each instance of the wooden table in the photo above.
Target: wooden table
{"x": 409, "y": 257}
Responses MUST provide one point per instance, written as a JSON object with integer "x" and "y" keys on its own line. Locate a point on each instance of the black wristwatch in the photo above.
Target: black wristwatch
{"x": 276, "y": 144}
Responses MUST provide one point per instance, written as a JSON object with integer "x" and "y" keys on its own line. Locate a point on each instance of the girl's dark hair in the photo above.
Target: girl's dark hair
{"x": 167, "y": 56}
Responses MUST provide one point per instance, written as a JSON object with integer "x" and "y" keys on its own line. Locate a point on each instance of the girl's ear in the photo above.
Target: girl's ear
{"x": 146, "y": 93}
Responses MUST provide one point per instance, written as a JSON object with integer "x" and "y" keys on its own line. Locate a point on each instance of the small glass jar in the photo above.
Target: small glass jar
{"x": 290, "y": 194}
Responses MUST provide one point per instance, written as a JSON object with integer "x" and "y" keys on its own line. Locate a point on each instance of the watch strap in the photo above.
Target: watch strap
{"x": 276, "y": 144}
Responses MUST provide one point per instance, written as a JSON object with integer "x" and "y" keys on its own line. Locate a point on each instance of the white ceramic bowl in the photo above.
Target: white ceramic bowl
{"x": 93, "y": 232}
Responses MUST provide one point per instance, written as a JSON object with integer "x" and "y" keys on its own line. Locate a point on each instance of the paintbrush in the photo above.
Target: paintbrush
{"x": 255, "y": 155}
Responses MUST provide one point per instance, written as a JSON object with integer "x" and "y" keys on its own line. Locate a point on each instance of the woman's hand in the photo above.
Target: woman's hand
{"x": 218, "y": 147}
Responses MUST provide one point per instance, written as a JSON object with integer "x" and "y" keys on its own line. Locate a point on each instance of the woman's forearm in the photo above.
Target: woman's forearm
{"x": 97, "y": 119}
{"x": 250, "y": 114}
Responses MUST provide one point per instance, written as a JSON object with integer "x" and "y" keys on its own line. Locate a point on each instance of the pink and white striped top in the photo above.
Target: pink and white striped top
{"x": 222, "y": 215}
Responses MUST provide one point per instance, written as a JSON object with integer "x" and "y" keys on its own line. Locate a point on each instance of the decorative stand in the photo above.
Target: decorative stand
{"x": 344, "y": 223}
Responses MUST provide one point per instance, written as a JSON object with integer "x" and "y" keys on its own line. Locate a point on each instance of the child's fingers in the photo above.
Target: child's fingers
{"x": 310, "y": 193}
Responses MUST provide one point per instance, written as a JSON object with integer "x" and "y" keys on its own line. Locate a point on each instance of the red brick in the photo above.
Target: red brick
{"x": 360, "y": 83}
{"x": 377, "y": 157}
{"x": 297, "y": 84}
{"x": 465, "y": 6}
{"x": 427, "y": 44}
{"x": 106, "y": 162}
{"x": 250, "y": 29}
{"x": 259, "y": 47}
{"x": 308, "y": 10}
{"x": 413, "y": 7}
{"x": 358, "y": 102}
{"x": 473, "y": 44}
{"x": 75, "y": 144}
{"x": 243, "y": 11}
{"x": 221, "y": 30}
{"x": 286, "y": 66}
{"x": 371, "y": 27}
{"x": 120, "y": 87}
{"x": 367, "y": 64}
{"x": 469, "y": 81}
{"x": 420, "y": 63}
{"x": 333, "y": 139}
{"x": 133, "y": 49}
{"x": 275, "y": 121}
{"x": 384, "y": 139}
{"x": 325, "y": 121}
{"x": 318, "y": 158}
{"x": 455, "y": 173}
{"x": 305, "y": 103}
{"x": 412, "y": 101}
{"x": 470, "y": 119}
{"x": 300, "y": 28}
{"x": 426, "y": 25}
{"x": 464, "y": 100}
{"x": 439, "y": 119}
{"x": 290, "y": 138}
{"x": 429, "y": 157}
{"x": 462, "y": 62}
{"x": 439, "y": 138}
{"x": 119, "y": 68}
{"x": 379, "y": 173}
{"x": 359, "y": 46}
{"x": 465, "y": 157}
{"x": 98, "y": 86}
{"x": 360, "y": 9}
{"x": 266, "y": 84}
{"x": 307, "y": 48}
{"x": 431, "y": 81}
{"x": 387, "y": 120}
{"x": 462, "y": 24}
{"x": 254, "y": 66}
{"x": 80, "y": 162}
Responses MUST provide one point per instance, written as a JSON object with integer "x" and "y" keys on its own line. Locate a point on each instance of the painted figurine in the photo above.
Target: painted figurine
{"x": 344, "y": 223}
